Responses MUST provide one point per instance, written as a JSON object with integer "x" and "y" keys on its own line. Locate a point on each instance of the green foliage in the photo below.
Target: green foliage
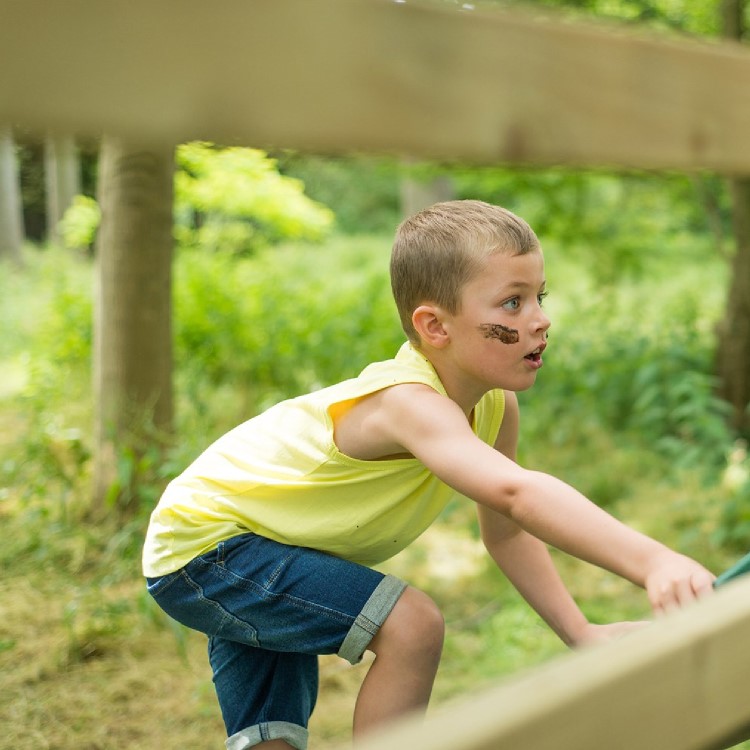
{"x": 47, "y": 399}
{"x": 80, "y": 222}
{"x": 733, "y": 528}
{"x": 639, "y": 359}
{"x": 234, "y": 199}
{"x": 363, "y": 191}
{"x": 616, "y": 223}
{"x": 695, "y": 17}
{"x": 229, "y": 199}
{"x": 286, "y": 321}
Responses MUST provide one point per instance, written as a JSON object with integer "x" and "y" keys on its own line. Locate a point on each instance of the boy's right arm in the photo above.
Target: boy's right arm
{"x": 416, "y": 419}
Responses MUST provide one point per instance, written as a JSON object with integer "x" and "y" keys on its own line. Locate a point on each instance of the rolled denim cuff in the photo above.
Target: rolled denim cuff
{"x": 377, "y": 608}
{"x": 294, "y": 734}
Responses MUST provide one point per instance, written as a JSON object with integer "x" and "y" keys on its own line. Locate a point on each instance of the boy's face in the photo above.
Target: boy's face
{"x": 498, "y": 335}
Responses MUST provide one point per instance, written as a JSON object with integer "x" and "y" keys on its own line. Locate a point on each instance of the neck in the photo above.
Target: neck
{"x": 465, "y": 396}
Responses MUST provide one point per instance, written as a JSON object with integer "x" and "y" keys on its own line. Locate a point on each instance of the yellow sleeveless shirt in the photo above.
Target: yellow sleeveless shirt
{"x": 281, "y": 475}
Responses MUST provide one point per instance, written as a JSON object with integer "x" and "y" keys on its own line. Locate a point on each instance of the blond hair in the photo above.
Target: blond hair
{"x": 438, "y": 250}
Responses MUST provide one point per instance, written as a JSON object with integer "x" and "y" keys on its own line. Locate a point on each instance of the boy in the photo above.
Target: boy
{"x": 265, "y": 541}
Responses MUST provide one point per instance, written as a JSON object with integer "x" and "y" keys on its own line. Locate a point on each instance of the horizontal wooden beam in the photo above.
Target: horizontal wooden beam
{"x": 681, "y": 684}
{"x": 417, "y": 78}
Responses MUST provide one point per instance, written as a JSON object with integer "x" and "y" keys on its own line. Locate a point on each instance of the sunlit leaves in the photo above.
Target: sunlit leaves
{"x": 235, "y": 199}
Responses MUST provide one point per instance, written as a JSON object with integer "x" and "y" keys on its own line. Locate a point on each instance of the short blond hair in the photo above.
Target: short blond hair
{"x": 438, "y": 250}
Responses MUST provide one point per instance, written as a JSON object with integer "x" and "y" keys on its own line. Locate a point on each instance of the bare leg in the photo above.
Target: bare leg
{"x": 274, "y": 745}
{"x": 407, "y": 654}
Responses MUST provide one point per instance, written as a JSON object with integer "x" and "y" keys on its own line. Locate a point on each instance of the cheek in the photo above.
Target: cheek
{"x": 500, "y": 333}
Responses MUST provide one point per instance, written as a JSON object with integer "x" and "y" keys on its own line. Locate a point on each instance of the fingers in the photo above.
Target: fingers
{"x": 673, "y": 593}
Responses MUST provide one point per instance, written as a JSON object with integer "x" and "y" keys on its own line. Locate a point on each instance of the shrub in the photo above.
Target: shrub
{"x": 286, "y": 321}
{"x": 235, "y": 200}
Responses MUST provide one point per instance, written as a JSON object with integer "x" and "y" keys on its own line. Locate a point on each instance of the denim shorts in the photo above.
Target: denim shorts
{"x": 269, "y": 609}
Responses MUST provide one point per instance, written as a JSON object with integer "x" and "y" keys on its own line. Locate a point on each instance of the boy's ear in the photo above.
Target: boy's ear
{"x": 428, "y": 323}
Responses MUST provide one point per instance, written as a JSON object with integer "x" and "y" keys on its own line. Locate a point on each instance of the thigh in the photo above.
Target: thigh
{"x": 256, "y": 687}
{"x": 278, "y": 597}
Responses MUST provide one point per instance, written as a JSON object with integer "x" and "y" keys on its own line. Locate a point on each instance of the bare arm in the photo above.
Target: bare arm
{"x": 523, "y": 558}
{"x": 415, "y": 419}
{"x": 526, "y": 561}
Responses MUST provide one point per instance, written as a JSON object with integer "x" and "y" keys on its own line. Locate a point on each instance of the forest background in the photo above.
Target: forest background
{"x": 280, "y": 286}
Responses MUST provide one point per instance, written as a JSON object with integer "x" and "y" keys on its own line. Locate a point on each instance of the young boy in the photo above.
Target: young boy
{"x": 265, "y": 542}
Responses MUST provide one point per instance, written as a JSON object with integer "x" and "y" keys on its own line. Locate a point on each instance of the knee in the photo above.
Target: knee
{"x": 424, "y": 620}
{"x": 415, "y": 625}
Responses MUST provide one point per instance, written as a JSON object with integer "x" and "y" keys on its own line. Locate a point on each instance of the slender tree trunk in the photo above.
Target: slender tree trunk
{"x": 132, "y": 327}
{"x": 732, "y": 24}
{"x": 733, "y": 354}
{"x": 62, "y": 176}
{"x": 734, "y": 330}
{"x": 11, "y": 217}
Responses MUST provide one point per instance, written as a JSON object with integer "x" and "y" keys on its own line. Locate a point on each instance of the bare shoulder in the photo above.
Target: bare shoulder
{"x": 373, "y": 427}
{"x": 415, "y": 421}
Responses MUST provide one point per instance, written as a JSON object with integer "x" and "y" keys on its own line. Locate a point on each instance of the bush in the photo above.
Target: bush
{"x": 287, "y": 321}
{"x": 234, "y": 199}
{"x": 638, "y": 358}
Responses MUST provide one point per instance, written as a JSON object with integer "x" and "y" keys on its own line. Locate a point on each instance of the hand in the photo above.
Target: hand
{"x": 676, "y": 580}
{"x": 593, "y": 634}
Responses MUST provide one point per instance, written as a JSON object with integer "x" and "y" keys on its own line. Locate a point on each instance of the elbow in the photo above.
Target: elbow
{"x": 511, "y": 495}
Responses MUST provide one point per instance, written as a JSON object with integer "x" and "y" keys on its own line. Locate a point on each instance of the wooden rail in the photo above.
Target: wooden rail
{"x": 681, "y": 684}
{"x": 418, "y": 78}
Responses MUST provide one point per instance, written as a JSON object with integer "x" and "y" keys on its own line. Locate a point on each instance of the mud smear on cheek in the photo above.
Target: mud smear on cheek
{"x": 501, "y": 333}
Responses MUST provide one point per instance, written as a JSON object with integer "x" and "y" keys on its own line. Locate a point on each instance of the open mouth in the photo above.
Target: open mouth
{"x": 536, "y": 355}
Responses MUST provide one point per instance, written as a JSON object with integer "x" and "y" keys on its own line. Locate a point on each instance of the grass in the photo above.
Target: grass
{"x": 87, "y": 661}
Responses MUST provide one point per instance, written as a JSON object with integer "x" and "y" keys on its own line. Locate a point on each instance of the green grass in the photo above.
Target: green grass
{"x": 87, "y": 661}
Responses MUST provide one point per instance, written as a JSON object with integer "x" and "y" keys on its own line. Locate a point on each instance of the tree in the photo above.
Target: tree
{"x": 733, "y": 353}
{"x": 132, "y": 315}
{"x": 11, "y": 220}
{"x": 62, "y": 177}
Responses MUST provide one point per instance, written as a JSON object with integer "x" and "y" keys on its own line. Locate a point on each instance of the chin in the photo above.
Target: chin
{"x": 520, "y": 387}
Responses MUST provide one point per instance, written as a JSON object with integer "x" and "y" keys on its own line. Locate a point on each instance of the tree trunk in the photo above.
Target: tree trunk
{"x": 733, "y": 354}
{"x": 732, "y": 24}
{"x": 11, "y": 217}
{"x": 734, "y": 330}
{"x": 62, "y": 177}
{"x": 132, "y": 326}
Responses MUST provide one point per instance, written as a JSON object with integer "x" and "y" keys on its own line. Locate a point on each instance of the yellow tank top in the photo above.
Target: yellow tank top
{"x": 281, "y": 475}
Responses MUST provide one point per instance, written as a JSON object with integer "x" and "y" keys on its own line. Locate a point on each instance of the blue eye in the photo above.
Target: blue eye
{"x": 540, "y": 297}
{"x": 511, "y": 304}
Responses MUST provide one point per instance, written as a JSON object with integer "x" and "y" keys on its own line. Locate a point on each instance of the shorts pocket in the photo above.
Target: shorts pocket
{"x": 156, "y": 586}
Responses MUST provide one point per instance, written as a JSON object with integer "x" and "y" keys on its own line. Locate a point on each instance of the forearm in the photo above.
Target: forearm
{"x": 556, "y": 513}
{"x": 527, "y": 563}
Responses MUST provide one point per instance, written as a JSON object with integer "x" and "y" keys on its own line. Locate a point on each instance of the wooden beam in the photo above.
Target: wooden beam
{"x": 681, "y": 684}
{"x": 416, "y": 78}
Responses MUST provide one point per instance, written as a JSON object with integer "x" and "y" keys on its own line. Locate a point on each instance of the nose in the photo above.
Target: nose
{"x": 541, "y": 321}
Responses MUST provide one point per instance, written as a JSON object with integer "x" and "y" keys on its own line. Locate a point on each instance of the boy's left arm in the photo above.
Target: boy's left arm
{"x": 527, "y": 563}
